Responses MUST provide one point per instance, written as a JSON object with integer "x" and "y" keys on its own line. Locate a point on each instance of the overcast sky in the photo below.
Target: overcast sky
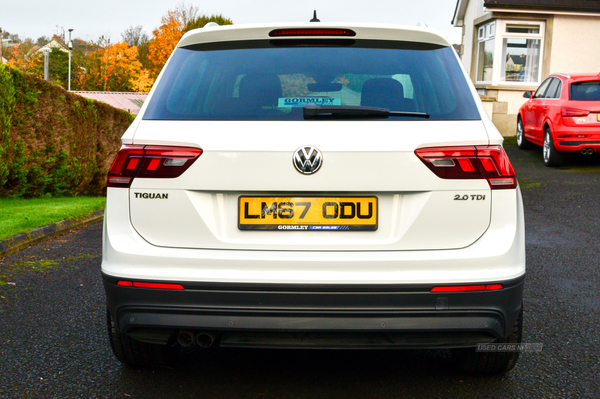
{"x": 92, "y": 19}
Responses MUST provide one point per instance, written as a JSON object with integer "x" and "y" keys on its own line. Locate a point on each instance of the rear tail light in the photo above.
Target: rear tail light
{"x": 150, "y": 162}
{"x": 463, "y": 288}
{"x": 156, "y": 286}
{"x": 567, "y": 111}
{"x": 311, "y": 32}
{"x": 480, "y": 162}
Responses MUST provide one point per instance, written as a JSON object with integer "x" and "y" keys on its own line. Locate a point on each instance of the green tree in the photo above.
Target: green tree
{"x": 42, "y": 40}
{"x": 7, "y": 107}
{"x": 58, "y": 68}
{"x": 202, "y": 20}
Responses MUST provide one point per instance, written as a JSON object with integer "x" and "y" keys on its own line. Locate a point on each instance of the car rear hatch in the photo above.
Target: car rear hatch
{"x": 412, "y": 207}
{"x": 418, "y": 178}
{"x": 583, "y": 108}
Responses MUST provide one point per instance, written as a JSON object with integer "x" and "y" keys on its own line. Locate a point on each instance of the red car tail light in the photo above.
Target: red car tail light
{"x": 311, "y": 32}
{"x": 157, "y": 286}
{"x": 463, "y": 288}
{"x": 150, "y": 162}
{"x": 480, "y": 162}
{"x": 567, "y": 111}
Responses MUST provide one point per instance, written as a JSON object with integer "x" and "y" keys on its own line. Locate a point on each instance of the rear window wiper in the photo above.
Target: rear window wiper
{"x": 313, "y": 111}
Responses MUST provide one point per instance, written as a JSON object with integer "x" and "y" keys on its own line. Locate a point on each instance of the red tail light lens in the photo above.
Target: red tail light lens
{"x": 312, "y": 32}
{"x": 150, "y": 162}
{"x": 480, "y": 162}
{"x": 157, "y": 286}
{"x": 567, "y": 111}
{"x": 463, "y": 288}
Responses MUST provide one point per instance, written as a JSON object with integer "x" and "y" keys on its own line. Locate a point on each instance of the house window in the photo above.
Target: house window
{"x": 510, "y": 52}
{"x": 521, "y": 53}
{"x": 486, "y": 49}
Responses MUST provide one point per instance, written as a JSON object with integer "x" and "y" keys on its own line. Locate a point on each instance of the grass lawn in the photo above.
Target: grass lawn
{"x": 22, "y": 215}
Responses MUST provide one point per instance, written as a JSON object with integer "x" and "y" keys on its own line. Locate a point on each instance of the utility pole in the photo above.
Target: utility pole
{"x": 46, "y": 52}
{"x": 1, "y": 46}
{"x": 70, "y": 48}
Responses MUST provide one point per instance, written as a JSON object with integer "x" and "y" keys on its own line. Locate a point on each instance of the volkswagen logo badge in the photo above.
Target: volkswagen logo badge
{"x": 307, "y": 159}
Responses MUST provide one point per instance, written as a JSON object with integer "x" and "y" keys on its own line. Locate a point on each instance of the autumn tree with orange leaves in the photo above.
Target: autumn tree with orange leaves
{"x": 121, "y": 66}
{"x": 174, "y": 24}
{"x": 22, "y": 57}
{"x": 164, "y": 41}
{"x": 115, "y": 68}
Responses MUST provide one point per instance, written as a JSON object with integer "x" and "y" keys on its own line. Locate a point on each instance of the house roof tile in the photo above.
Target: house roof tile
{"x": 131, "y": 102}
{"x": 548, "y": 5}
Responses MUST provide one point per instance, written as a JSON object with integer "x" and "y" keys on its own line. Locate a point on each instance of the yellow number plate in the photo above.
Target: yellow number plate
{"x": 308, "y": 213}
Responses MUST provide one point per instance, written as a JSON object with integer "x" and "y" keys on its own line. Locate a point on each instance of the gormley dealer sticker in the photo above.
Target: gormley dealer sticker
{"x": 290, "y": 102}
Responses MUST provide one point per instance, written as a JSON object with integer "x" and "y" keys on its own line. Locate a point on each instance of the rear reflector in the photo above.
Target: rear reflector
{"x": 477, "y": 162}
{"x": 159, "y": 286}
{"x": 463, "y": 288}
{"x": 311, "y": 32}
{"x": 150, "y": 162}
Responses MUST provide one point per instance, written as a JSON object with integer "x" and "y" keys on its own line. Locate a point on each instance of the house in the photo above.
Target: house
{"x": 4, "y": 43}
{"x": 56, "y": 43}
{"x": 510, "y": 46}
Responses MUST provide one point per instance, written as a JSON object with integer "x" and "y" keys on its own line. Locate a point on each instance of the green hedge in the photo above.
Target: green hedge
{"x": 53, "y": 142}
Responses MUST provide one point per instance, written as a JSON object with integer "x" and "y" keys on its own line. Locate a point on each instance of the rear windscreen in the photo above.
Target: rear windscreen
{"x": 585, "y": 91}
{"x": 265, "y": 80}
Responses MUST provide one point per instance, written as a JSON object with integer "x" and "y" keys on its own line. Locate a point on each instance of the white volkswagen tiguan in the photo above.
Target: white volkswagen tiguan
{"x": 313, "y": 186}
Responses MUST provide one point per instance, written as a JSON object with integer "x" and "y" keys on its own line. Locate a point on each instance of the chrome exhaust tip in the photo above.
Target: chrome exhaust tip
{"x": 185, "y": 338}
{"x": 205, "y": 340}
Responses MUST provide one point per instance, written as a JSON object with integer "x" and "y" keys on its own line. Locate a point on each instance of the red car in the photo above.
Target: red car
{"x": 563, "y": 115}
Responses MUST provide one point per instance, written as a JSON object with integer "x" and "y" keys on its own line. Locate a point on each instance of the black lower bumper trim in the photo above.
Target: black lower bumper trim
{"x": 237, "y": 312}
{"x": 370, "y": 340}
{"x": 594, "y": 143}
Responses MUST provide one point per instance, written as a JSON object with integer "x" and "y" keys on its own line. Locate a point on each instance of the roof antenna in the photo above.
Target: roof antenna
{"x": 315, "y": 19}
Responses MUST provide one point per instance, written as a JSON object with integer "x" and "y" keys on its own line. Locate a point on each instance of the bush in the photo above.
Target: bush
{"x": 53, "y": 142}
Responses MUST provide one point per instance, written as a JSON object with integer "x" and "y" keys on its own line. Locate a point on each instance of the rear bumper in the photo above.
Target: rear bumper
{"x": 576, "y": 138}
{"x": 359, "y": 316}
{"x": 577, "y": 145}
